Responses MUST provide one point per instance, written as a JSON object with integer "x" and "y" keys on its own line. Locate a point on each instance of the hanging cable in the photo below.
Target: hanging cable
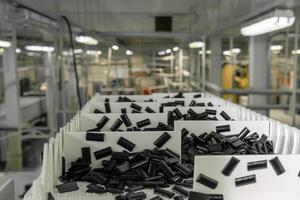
{"x": 74, "y": 59}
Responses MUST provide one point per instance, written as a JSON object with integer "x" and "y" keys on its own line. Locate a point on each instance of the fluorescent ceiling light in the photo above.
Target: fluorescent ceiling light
{"x": 86, "y": 40}
{"x": 276, "y": 47}
{"x": 115, "y": 47}
{"x": 78, "y": 51}
{"x": 233, "y": 51}
{"x": 168, "y": 51}
{"x": 18, "y": 50}
{"x": 39, "y": 48}
{"x": 4, "y": 44}
{"x": 273, "y": 21}
{"x": 1, "y": 51}
{"x": 176, "y": 49}
{"x": 207, "y": 52}
{"x": 197, "y": 44}
{"x": 129, "y": 53}
{"x": 93, "y": 52}
{"x": 296, "y": 51}
{"x": 161, "y": 53}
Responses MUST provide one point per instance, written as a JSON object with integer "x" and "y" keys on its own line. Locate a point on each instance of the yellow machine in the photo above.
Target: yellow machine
{"x": 234, "y": 77}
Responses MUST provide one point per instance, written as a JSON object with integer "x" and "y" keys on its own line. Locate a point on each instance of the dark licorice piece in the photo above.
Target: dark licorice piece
{"x": 157, "y": 198}
{"x": 123, "y": 167}
{"x": 210, "y": 104}
{"x": 107, "y": 107}
{"x": 116, "y": 125}
{"x": 136, "y": 107}
{"x": 178, "y": 114}
{"x": 201, "y": 116}
{"x": 215, "y": 147}
{"x": 277, "y": 166}
{"x": 180, "y": 191}
{"x": 153, "y": 183}
{"x": 67, "y": 187}
{"x": 211, "y": 112}
{"x": 178, "y": 198}
{"x": 103, "y": 153}
{"x": 123, "y": 142}
{"x": 230, "y": 166}
{"x": 136, "y": 111}
{"x": 162, "y": 140}
{"x": 261, "y": 164}
{"x": 63, "y": 165}
{"x": 135, "y": 188}
{"x": 166, "y": 169}
{"x": 50, "y": 196}
{"x": 136, "y": 196}
{"x": 114, "y": 190}
{"x": 223, "y": 128}
{"x": 143, "y": 123}
{"x": 164, "y": 193}
{"x": 193, "y": 102}
{"x": 106, "y": 100}
{"x": 184, "y": 132}
{"x": 95, "y": 189}
{"x": 245, "y": 180}
{"x": 207, "y": 181}
{"x": 225, "y": 116}
{"x": 142, "y": 174}
{"x": 123, "y": 110}
{"x": 97, "y": 111}
{"x": 102, "y": 122}
{"x": 201, "y": 196}
{"x": 186, "y": 185}
{"x": 165, "y": 126}
{"x": 152, "y": 168}
{"x": 121, "y": 197}
{"x": 244, "y": 133}
{"x": 192, "y": 113}
{"x": 111, "y": 165}
{"x": 126, "y": 120}
{"x": 197, "y": 95}
{"x": 120, "y": 155}
{"x": 86, "y": 154}
{"x": 149, "y": 110}
{"x": 184, "y": 170}
{"x": 99, "y": 137}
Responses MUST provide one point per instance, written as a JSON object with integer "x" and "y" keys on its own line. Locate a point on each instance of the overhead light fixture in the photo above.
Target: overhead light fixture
{"x": 273, "y": 21}
{"x": 129, "y": 53}
{"x": 233, "y": 51}
{"x": 168, "y": 51}
{"x": 1, "y": 51}
{"x": 18, "y": 50}
{"x": 115, "y": 47}
{"x": 196, "y": 44}
{"x": 207, "y": 52}
{"x": 161, "y": 53}
{"x": 276, "y": 47}
{"x": 93, "y": 52}
{"x": 78, "y": 51}
{"x": 86, "y": 40}
{"x": 5, "y": 44}
{"x": 296, "y": 51}
{"x": 39, "y": 48}
{"x": 176, "y": 49}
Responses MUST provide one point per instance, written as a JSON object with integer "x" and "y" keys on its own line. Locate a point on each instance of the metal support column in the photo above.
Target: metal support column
{"x": 203, "y": 65}
{"x": 215, "y": 44}
{"x": 50, "y": 93}
{"x": 12, "y": 103}
{"x": 259, "y": 69}
{"x": 109, "y": 53}
{"x": 181, "y": 68}
{"x": 295, "y": 77}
